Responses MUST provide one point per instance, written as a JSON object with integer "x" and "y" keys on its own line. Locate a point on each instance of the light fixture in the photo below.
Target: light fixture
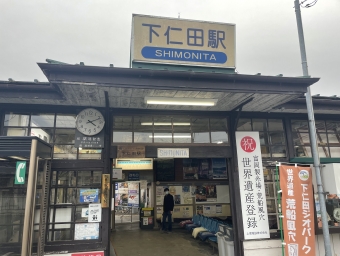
{"x": 18, "y": 158}
{"x": 180, "y": 101}
{"x": 178, "y": 124}
{"x": 3, "y": 159}
{"x": 170, "y": 136}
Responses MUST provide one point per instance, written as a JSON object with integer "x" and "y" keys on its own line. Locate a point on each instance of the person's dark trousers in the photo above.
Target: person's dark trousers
{"x": 167, "y": 215}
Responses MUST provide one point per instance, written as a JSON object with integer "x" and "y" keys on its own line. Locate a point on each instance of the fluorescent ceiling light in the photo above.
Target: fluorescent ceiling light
{"x": 170, "y": 136}
{"x": 18, "y": 158}
{"x": 3, "y": 159}
{"x": 179, "y": 124}
{"x": 180, "y": 101}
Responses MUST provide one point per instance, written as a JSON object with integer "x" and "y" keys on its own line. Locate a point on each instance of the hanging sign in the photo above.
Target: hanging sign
{"x": 252, "y": 189}
{"x": 105, "y": 195}
{"x": 20, "y": 172}
{"x": 297, "y": 210}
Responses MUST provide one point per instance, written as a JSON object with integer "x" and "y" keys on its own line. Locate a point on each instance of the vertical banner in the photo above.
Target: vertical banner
{"x": 252, "y": 189}
{"x": 298, "y": 210}
{"x": 105, "y": 197}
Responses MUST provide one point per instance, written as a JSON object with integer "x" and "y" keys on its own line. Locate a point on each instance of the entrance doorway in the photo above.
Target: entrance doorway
{"x": 127, "y": 201}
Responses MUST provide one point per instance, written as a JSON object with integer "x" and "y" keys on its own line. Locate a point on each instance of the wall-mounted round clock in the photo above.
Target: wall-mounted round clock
{"x": 90, "y": 122}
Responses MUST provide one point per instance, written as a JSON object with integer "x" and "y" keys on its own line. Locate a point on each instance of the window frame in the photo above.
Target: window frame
{"x": 173, "y": 131}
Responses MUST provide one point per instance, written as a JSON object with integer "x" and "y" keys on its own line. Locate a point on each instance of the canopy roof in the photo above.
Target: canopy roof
{"x": 80, "y": 85}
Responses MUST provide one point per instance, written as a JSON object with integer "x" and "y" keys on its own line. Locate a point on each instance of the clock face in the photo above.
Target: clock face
{"x": 90, "y": 122}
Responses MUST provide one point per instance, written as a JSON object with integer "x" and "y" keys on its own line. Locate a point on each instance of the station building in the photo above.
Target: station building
{"x": 115, "y": 137}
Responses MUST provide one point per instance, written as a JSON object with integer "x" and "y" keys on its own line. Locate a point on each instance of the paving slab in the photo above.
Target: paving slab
{"x": 129, "y": 240}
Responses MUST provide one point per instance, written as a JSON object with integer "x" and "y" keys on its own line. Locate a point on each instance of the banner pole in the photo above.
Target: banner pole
{"x": 312, "y": 130}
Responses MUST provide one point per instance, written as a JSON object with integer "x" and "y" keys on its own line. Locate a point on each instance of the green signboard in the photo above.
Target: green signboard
{"x": 20, "y": 172}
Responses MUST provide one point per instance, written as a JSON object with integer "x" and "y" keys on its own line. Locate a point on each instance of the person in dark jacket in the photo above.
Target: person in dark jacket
{"x": 168, "y": 207}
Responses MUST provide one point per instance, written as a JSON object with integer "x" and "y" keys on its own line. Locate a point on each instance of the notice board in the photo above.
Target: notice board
{"x": 165, "y": 170}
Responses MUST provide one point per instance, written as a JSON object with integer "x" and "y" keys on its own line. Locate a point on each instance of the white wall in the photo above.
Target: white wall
{"x": 273, "y": 247}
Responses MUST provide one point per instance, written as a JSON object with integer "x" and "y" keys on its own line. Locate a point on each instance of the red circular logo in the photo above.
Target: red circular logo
{"x": 248, "y": 144}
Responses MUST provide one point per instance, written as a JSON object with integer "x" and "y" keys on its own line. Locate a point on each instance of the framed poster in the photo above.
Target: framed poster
{"x": 86, "y": 231}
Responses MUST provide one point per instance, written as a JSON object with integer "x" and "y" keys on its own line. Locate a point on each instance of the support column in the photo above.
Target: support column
{"x": 106, "y": 212}
{"x": 26, "y": 245}
{"x": 234, "y": 186}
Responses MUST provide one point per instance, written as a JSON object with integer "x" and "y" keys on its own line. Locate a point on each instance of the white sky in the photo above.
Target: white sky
{"x": 97, "y": 32}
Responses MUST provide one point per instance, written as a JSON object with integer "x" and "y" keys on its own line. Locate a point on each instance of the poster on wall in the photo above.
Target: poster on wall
{"x": 85, "y": 212}
{"x": 199, "y": 209}
{"x": 159, "y": 191}
{"x": 218, "y": 208}
{"x": 204, "y": 168}
{"x": 186, "y": 212}
{"x": 123, "y": 188}
{"x": 133, "y": 187}
{"x": 219, "y": 167}
{"x": 298, "y": 210}
{"x": 252, "y": 189}
{"x": 88, "y": 195}
{"x": 177, "y": 199}
{"x": 95, "y": 213}
{"x": 190, "y": 169}
{"x": 206, "y": 193}
{"x": 159, "y": 210}
{"x": 159, "y": 200}
{"x": 86, "y": 231}
{"x": 133, "y": 200}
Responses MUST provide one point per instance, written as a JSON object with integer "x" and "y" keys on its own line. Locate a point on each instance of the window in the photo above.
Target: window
{"x": 13, "y": 202}
{"x": 170, "y": 129}
{"x": 200, "y": 130}
{"x": 272, "y": 136}
{"x": 270, "y": 181}
{"x": 328, "y": 138}
{"x": 56, "y": 129}
{"x": 67, "y": 202}
{"x": 218, "y": 128}
{"x": 122, "y": 129}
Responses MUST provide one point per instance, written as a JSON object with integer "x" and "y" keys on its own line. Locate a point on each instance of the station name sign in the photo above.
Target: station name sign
{"x": 182, "y": 42}
{"x": 173, "y": 153}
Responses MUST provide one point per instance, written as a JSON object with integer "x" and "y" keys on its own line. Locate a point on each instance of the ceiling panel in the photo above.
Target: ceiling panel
{"x": 186, "y": 94}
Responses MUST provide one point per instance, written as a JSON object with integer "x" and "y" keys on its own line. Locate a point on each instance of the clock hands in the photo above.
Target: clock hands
{"x": 88, "y": 121}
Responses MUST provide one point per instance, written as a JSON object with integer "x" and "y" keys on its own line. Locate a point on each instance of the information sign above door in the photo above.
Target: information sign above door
{"x": 173, "y": 153}
{"x": 130, "y": 152}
